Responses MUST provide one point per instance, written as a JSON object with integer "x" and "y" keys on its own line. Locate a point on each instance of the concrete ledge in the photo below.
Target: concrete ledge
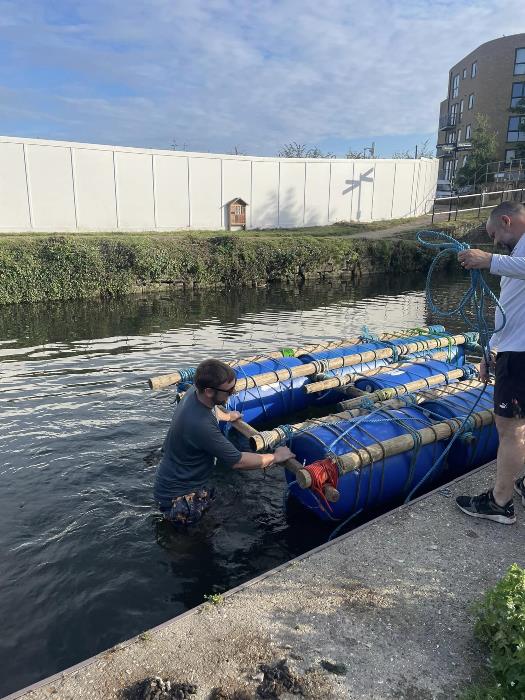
{"x": 389, "y": 603}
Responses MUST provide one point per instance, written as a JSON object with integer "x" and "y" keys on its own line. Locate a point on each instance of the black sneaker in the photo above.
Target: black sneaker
{"x": 484, "y": 506}
{"x": 519, "y": 488}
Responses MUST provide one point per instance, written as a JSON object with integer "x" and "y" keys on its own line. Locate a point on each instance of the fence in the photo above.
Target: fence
{"x": 450, "y": 206}
{"x": 59, "y": 186}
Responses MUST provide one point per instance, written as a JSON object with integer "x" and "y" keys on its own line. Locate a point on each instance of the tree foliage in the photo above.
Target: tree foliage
{"x": 422, "y": 150}
{"x": 301, "y": 150}
{"x": 484, "y": 150}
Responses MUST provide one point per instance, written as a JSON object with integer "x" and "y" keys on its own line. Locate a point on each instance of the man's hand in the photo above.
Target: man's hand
{"x": 475, "y": 259}
{"x": 281, "y": 454}
{"x": 227, "y": 416}
{"x": 233, "y": 416}
{"x": 484, "y": 369}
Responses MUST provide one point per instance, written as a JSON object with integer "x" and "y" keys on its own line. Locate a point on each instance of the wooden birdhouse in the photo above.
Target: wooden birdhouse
{"x": 237, "y": 214}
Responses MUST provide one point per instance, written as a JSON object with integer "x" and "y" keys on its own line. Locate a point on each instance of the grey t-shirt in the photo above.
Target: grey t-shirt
{"x": 193, "y": 442}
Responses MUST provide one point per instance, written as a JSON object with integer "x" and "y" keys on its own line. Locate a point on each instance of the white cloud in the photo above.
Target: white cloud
{"x": 221, "y": 72}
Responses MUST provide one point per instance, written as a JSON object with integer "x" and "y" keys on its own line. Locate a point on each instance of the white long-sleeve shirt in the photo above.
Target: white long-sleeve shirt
{"x": 512, "y": 298}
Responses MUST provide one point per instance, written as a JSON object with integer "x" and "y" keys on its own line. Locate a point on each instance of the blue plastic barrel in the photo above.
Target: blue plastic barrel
{"x": 376, "y": 484}
{"x": 456, "y": 356}
{"x": 272, "y": 402}
{"x": 403, "y": 375}
{"x": 473, "y": 449}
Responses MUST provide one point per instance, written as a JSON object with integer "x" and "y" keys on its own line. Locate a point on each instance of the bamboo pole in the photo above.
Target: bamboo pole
{"x": 357, "y": 459}
{"x": 312, "y": 368}
{"x": 268, "y": 439}
{"x": 165, "y": 380}
{"x": 345, "y": 379}
{"x": 418, "y": 385}
{"x": 345, "y": 342}
{"x": 331, "y": 494}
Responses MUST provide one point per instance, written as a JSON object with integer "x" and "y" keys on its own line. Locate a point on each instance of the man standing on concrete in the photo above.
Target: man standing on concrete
{"x": 194, "y": 442}
{"x": 505, "y": 226}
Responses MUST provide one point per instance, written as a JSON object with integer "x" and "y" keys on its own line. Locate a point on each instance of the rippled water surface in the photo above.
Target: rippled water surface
{"x": 85, "y": 561}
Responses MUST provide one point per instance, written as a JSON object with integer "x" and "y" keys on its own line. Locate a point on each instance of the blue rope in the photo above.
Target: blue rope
{"x": 187, "y": 375}
{"x": 474, "y": 300}
{"x": 475, "y": 297}
{"x": 467, "y": 423}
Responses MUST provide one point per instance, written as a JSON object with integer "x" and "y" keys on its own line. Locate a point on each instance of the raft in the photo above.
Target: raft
{"x": 394, "y": 415}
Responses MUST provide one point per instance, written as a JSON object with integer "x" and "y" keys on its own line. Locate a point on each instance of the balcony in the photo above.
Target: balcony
{"x": 449, "y": 150}
{"x": 448, "y": 121}
{"x": 445, "y": 150}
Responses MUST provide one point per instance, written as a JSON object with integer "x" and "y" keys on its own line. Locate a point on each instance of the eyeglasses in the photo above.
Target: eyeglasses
{"x": 229, "y": 391}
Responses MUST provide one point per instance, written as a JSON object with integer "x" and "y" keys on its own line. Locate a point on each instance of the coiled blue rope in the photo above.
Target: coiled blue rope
{"x": 475, "y": 297}
{"x": 474, "y": 300}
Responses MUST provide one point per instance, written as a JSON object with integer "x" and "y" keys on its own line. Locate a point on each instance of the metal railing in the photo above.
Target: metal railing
{"x": 450, "y": 206}
{"x": 448, "y": 121}
{"x": 500, "y": 169}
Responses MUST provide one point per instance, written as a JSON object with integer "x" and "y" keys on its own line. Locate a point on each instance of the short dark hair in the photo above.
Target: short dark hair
{"x": 212, "y": 373}
{"x": 507, "y": 209}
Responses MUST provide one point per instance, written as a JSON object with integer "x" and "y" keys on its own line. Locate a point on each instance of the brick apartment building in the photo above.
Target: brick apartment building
{"x": 489, "y": 81}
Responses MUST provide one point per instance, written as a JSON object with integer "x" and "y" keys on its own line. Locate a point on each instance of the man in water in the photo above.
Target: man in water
{"x": 506, "y": 227}
{"x": 194, "y": 442}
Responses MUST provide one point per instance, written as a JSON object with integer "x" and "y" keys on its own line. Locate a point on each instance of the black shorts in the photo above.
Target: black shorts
{"x": 509, "y": 389}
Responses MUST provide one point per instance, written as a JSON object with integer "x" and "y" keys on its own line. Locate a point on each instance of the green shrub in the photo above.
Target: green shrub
{"x": 501, "y": 626}
{"x": 78, "y": 267}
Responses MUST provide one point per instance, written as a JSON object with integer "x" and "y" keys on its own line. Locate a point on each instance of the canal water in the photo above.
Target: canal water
{"x": 86, "y": 562}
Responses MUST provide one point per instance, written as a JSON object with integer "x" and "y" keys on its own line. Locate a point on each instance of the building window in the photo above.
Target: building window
{"x": 459, "y": 135}
{"x": 448, "y": 169}
{"x": 461, "y": 106}
{"x": 474, "y": 69}
{"x": 518, "y": 95}
{"x": 468, "y": 132}
{"x": 516, "y": 129}
{"x": 451, "y": 136}
{"x": 510, "y": 155}
{"x": 471, "y": 101}
{"x": 454, "y": 114}
{"x": 519, "y": 63}
{"x": 465, "y": 158}
{"x": 455, "y": 86}
{"x": 464, "y": 73}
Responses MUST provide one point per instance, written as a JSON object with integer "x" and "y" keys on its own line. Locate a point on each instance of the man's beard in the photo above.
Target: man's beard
{"x": 505, "y": 247}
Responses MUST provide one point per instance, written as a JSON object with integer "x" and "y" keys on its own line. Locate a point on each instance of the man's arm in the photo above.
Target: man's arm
{"x": 211, "y": 440}
{"x": 504, "y": 265}
{"x": 253, "y": 460}
{"x": 508, "y": 266}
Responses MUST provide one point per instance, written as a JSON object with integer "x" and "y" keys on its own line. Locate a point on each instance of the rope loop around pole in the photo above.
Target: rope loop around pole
{"x": 469, "y": 371}
{"x": 366, "y": 403}
{"x": 187, "y": 374}
{"x": 367, "y": 336}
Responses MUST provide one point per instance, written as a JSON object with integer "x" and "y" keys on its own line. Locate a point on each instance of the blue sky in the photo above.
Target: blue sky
{"x": 215, "y": 74}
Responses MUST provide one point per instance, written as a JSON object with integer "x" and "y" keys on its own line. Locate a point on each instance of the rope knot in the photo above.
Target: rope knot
{"x": 324, "y": 471}
{"x": 367, "y": 403}
{"x": 367, "y": 336}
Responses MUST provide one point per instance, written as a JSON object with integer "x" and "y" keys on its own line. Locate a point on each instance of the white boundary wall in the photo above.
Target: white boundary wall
{"x": 62, "y": 186}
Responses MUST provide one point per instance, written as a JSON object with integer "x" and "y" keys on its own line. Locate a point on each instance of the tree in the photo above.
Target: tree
{"x": 421, "y": 151}
{"x": 356, "y": 155}
{"x": 483, "y": 152}
{"x": 300, "y": 150}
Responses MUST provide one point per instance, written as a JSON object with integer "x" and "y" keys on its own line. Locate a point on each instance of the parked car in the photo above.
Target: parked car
{"x": 466, "y": 189}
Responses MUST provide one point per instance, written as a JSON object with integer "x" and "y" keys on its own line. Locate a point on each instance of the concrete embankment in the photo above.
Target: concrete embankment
{"x": 382, "y": 612}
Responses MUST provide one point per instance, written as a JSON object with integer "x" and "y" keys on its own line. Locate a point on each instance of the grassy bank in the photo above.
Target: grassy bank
{"x": 35, "y": 267}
